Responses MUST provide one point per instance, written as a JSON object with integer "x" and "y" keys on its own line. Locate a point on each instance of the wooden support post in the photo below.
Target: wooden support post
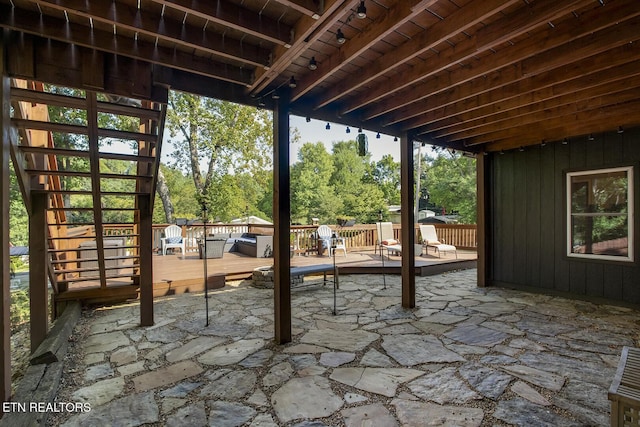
{"x": 146, "y": 260}
{"x": 5, "y": 319}
{"x": 407, "y": 236}
{"x": 38, "y": 285}
{"x": 282, "y": 220}
{"x": 94, "y": 166}
{"x": 483, "y": 230}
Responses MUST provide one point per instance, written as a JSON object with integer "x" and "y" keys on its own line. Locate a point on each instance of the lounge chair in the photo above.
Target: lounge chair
{"x": 172, "y": 239}
{"x": 430, "y": 240}
{"x": 325, "y": 234}
{"x": 386, "y": 238}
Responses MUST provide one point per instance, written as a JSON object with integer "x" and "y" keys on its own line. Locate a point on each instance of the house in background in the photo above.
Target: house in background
{"x": 396, "y": 217}
{"x": 251, "y": 219}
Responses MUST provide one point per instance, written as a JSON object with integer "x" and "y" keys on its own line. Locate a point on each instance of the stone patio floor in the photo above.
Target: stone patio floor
{"x": 465, "y": 356}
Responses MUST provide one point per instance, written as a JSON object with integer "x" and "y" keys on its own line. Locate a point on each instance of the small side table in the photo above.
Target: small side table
{"x": 624, "y": 392}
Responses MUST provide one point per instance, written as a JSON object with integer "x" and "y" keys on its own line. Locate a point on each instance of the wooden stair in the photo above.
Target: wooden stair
{"x": 87, "y": 183}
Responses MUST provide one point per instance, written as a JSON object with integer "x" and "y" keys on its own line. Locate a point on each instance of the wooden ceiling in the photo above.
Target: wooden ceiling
{"x": 472, "y": 75}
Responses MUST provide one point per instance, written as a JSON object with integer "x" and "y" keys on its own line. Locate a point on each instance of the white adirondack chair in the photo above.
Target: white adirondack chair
{"x": 325, "y": 234}
{"x": 172, "y": 239}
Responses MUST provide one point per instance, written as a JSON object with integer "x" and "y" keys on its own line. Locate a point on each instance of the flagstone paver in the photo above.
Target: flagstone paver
{"x": 131, "y": 410}
{"x": 309, "y": 397}
{"x": 101, "y": 392}
{"x": 166, "y": 375}
{"x": 382, "y": 381}
{"x": 193, "y": 348}
{"x": 414, "y": 414}
{"x": 443, "y": 387}
{"x": 414, "y": 349}
{"x": 536, "y": 376}
{"x": 100, "y": 343}
{"x": 465, "y": 356}
{"x": 337, "y": 358}
{"x": 340, "y": 340}
{"x": 375, "y": 414}
{"x": 522, "y": 389}
{"x": 231, "y": 353}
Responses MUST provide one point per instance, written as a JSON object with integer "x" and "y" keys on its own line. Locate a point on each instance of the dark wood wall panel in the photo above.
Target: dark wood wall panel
{"x": 561, "y": 280}
{"x": 519, "y": 226}
{"x": 548, "y": 219}
{"x": 631, "y": 275}
{"x": 532, "y": 211}
{"x": 504, "y": 211}
{"x": 578, "y": 150}
{"x": 528, "y": 209}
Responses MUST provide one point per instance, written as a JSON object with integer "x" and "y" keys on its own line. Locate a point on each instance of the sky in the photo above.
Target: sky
{"x": 315, "y": 131}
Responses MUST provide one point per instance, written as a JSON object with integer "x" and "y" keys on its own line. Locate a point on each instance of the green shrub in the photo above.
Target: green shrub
{"x": 19, "y": 311}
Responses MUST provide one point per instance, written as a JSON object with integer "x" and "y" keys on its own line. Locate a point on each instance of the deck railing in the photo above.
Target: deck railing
{"x": 358, "y": 237}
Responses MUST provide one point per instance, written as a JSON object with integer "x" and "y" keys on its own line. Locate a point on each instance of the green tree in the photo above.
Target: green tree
{"x": 218, "y": 137}
{"x": 362, "y": 200}
{"x": 385, "y": 173}
{"x": 451, "y": 183}
{"x": 18, "y": 218}
{"x": 311, "y": 194}
{"x": 183, "y": 195}
{"x": 255, "y": 191}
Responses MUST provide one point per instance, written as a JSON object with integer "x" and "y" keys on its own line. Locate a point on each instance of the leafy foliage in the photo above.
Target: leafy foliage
{"x": 362, "y": 200}
{"x": 451, "y": 183}
{"x": 18, "y": 218}
{"x": 218, "y": 137}
{"x": 19, "y": 308}
{"x": 312, "y": 196}
{"x": 183, "y": 196}
{"x": 386, "y": 175}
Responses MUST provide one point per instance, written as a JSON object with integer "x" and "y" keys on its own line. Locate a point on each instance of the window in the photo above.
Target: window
{"x": 600, "y": 214}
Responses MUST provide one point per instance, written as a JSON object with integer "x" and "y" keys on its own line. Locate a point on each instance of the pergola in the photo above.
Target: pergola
{"x": 483, "y": 77}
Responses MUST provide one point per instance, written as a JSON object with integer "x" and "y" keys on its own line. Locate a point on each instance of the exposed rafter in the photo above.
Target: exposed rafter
{"x": 457, "y": 74}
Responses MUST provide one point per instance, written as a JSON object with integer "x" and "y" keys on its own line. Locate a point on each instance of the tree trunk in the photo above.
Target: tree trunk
{"x": 163, "y": 192}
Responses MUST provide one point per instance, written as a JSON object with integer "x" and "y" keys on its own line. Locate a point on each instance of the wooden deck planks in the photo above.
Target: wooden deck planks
{"x": 238, "y": 266}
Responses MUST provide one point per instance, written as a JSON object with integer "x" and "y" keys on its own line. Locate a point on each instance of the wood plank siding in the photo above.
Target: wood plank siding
{"x": 528, "y": 208}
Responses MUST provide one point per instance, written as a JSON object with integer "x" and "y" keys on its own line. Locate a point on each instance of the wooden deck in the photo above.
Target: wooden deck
{"x": 175, "y": 274}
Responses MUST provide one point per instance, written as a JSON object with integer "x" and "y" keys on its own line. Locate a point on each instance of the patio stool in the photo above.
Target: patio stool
{"x": 624, "y": 392}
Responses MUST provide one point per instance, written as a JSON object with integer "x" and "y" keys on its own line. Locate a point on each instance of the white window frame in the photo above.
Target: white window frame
{"x": 630, "y": 215}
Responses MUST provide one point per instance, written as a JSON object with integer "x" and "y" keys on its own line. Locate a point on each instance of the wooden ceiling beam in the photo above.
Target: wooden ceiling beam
{"x": 471, "y": 123}
{"x": 464, "y": 18}
{"x": 581, "y": 74}
{"x": 387, "y": 23}
{"x": 56, "y": 29}
{"x": 307, "y": 31}
{"x": 503, "y": 69}
{"x": 406, "y": 101}
{"x": 567, "y": 106}
{"x": 152, "y": 25}
{"x": 492, "y": 36}
{"x": 597, "y": 120}
{"x": 311, "y": 8}
{"x": 230, "y": 15}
